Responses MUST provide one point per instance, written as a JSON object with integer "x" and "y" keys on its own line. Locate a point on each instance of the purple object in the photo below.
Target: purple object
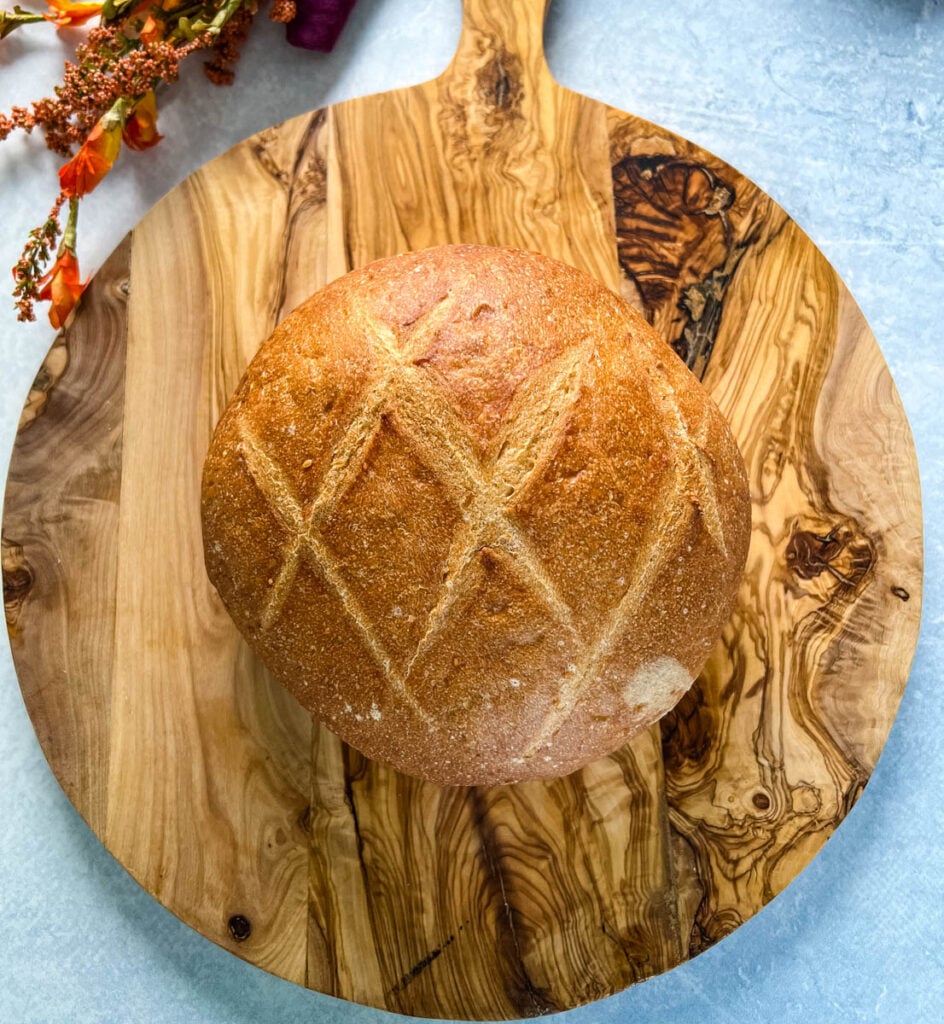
{"x": 318, "y": 23}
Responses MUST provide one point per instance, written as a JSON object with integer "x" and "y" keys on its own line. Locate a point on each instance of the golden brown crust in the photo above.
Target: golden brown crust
{"x": 474, "y": 513}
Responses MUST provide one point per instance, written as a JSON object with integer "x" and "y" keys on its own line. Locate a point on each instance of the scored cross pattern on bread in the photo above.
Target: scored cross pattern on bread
{"x": 488, "y": 479}
{"x": 423, "y": 415}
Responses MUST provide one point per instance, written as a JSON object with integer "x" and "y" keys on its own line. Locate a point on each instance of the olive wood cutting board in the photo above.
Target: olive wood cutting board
{"x": 259, "y": 828}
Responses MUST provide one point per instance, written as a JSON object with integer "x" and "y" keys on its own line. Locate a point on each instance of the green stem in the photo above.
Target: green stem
{"x": 68, "y": 236}
{"x": 10, "y": 21}
{"x": 191, "y": 29}
{"x": 183, "y": 12}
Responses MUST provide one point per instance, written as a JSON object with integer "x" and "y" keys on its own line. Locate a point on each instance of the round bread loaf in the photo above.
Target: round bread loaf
{"x": 475, "y": 514}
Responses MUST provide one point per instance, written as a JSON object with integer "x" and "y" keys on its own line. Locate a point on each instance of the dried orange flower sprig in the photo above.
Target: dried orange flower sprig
{"x": 106, "y": 101}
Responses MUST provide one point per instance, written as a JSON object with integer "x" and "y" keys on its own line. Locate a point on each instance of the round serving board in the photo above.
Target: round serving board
{"x": 259, "y": 828}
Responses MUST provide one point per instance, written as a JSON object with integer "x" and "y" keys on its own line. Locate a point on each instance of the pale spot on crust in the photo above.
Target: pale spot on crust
{"x": 657, "y": 685}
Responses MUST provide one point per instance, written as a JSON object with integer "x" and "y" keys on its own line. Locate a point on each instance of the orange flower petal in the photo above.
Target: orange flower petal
{"x": 71, "y": 12}
{"x": 152, "y": 31}
{"x": 61, "y": 287}
{"x": 140, "y": 131}
{"x": 92, "y": 162}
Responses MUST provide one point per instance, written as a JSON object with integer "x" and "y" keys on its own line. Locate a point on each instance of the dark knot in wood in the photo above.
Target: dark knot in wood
{"x": 240, "y": 927}
{"x": 689, "y": 730}
{"x": 16, "y": 584}
{"x": 843, "y": 552}
{"x": 809, "y": 554}
{"x": 675, "y": 243}
{"x": 54, "y": 366}
{"x": 499, "y": 83}
{"x": 17, "y": 580}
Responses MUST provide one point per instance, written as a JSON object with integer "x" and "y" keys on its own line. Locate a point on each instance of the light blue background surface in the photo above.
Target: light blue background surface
{"x": 834, "y": 108}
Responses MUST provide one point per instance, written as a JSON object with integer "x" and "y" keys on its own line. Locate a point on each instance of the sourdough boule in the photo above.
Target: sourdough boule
{"x": 475, "y": 514}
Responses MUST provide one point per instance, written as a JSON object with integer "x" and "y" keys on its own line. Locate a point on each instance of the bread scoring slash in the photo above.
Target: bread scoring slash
{"x": 475, "y": 514}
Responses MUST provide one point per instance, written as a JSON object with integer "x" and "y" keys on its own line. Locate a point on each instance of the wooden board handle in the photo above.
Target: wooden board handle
{"x": 511, "y": 29}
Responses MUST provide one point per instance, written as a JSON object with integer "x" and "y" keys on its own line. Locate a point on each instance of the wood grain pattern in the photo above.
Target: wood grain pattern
{"x": 58, "y": 590}
{"x": 770, "y": 749}
{"x": 258, "y": 827}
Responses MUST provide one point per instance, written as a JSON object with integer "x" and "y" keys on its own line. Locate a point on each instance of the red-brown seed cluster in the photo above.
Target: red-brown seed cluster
{"x": 36, "y": 253}
{"x": 104, "y": 70}
{"x": 117, "y": 61}
{"x": 228, "y": 45}
{"x": 283, "y": 11}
